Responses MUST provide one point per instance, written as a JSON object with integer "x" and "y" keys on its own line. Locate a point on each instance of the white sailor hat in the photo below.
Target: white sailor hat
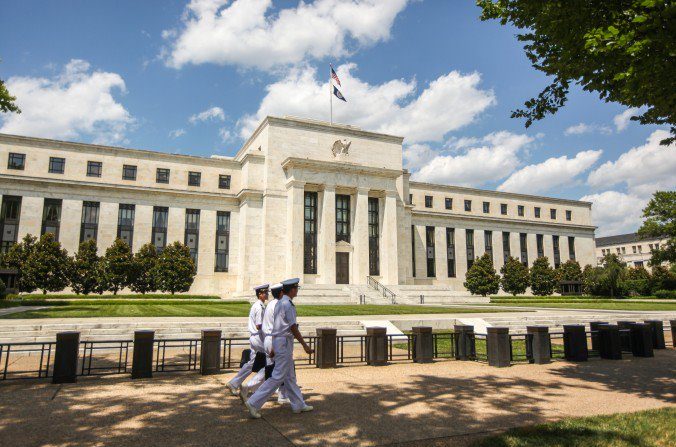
{"x": 290, "y": 282}
{"x": 275, "y": 287}
{"x": 261, "y": 287}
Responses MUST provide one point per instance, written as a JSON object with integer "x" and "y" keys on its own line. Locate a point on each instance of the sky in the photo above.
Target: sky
{"x": 196, "y": 77}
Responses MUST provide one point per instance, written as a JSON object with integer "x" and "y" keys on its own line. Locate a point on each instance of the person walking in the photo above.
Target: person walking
{"x": 268, "y": 324}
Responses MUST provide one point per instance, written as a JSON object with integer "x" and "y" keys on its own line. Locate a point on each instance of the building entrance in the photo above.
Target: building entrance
{"x": 342, "y": 268}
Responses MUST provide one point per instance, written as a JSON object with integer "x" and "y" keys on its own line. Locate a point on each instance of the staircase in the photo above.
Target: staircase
{"x": 315, "y": 294}
{"x": 410, "y": 294}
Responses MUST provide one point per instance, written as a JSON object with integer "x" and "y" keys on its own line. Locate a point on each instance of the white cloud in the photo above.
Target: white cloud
{"x": 582, "y": 128}
{"x": 251, "y": 33}
{"x": 210, "y": 114}
{"x": 75, "y": 103}
{"x": 622, "y": 120}
{"x": 615, "y": 212}
{"x": 418, "y": 155}
{"x": 225, "y": 134}
{"x": 448, "y": 103}
{"x": 550, "y": 174}
{"x": 475, "y": 166}
{"x": 177, "y": 133}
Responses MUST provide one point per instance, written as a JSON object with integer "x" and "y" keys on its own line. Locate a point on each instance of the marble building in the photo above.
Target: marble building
{"x": 331, "y": 204}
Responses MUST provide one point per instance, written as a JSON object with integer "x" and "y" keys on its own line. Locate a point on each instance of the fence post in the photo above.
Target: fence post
{"x": 210, "y": 353}
{"x": 541, "y": 344}
{"x": 672, "y": 323}
{"x": 657, "y": 328}
{"x": 326, "y": 347}
{"x": 376, "y": 346}
{"x": 464, "y": 337}
{"x": 422, "y": 299}
{"x": 625, "y": 335}
{"x": 575, "y": 343}
{"x": 641, "y": 340}
{"x": 594, "y": 328}
{"x": 142, "y": 363}
{"x": 423, "y": 347}
{"x": 65, "y": 357}
{"x": 498, "y": 348}
{"x": 609, "y": 342}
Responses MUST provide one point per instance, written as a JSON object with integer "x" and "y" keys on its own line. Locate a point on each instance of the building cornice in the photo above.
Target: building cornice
{"x": 339, "y": 166}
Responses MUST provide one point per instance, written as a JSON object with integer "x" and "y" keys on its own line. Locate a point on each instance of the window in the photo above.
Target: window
{"x": 223, "y": 181}
{"x": 162, "y": 175}
{"x": 9, "y": 221}
{"x": 429, "y": 241}
{"x": 16, "y": 161}
{"x": 128, "y": 172}
{"x": 540, "y": 243}
{"x": 657, "y": 246}
{"x": 450, "y": 251}
{"x": 94, "y": 168}
{"x": 448, "y": 202}
{"x": 469, "y": 240}
{"x": 51, "y": 217}
{"x": 557, "y": 251}
{"x": 537, "y": 212}
{"x": 413, "y": 249}
{"x": 410, "y": 199}
{"x": 487, "y": 207}
{"x": 192, "y": 232}
{"x": 506, "y": 250}
{"x": 618, "y": 250}
{"x": 310, "y": 233}
{"x": 194, "y": 178}
{"x": 638, "y": 264}
{"x": 222, "y": 241}
{"x": 428, "y": 201}
{"x": 57, "y": 165}
{"x": 552, "y": 213}
{"x": 571, "y": 247}
{"x": 520, "y": 210}
{"x": 569, "y": 214}
{"x": 649, "y": 245}
{"x": 468, "y": 205}
{"x": 624, "y": 250}
{"x": 342, "y": 218}
{"x": 160, "y": 221}
{"x": 90, "y": 221}
{"x": 125, "y": 223}
{"x": 633, "y": 247}
{"x": 503, "y": 209}
{"x": 488, "y": 243}
{"x": 374, "y": 236}
{"x": 640, "y": 249}
{"x": 523, "y": 244}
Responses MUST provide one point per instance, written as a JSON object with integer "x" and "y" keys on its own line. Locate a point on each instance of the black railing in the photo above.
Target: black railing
{"x": 176, "y": 359}
{"x": 444, "y": 345}
{"x": 21, "y": 350}
{"x": 387, "y": 293}
{"x": 231, "y": 351}
{"x": 112, "y": 357}
{"x": 350, "y": 349}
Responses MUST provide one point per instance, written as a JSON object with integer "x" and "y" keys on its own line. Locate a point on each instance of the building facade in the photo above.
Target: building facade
{"x": 331, "y": 204}
{"x": 630, "y": 248}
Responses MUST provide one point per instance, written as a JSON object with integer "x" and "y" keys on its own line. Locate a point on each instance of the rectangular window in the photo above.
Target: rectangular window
{"x": 537, "y": 212}
{"x": 128, "y": 172}
{"x": 540, "y": 243}
{"x": 194, "y": 178}
{"x": 222, "y": 241}
{"x": 9, "y": 221}
{"x": 633, "y": 247}
{"x": 488, "y": 243}
{"x": 310, "y": 233}
{"x": 192, "y": 232}
{"x": 569, "y": 214}
{"x": 487, "y": 207}
{"x": 450, "y": 251}
{"x": 448, "y": 202}
{"x": 223, "y": 181}
{"x": 557, "y": 251}
{"x": 342, "y": 218}
{"x": 51, "y": 217}
{"x": 410, "y": 199}
{"x": 125, "y": 223}
{"x": 506, "y": 250}
{"x": 428, "y": 201}
{"x": 503, "y": 209}
{"x": 16, "y": 161}
{"x": 429, "y": 241}
{"x": 160, "y": 223}
{"x": 413, "y": 248}
{"x": 552, "y": 213}
{"x": 94, "y": 168}
{"x": 640, "y": 249}
{"x": 468, "y": 205}
{"x": 57, "y": 165}
{"x": 638, "y": 263}
{"x": 469, "y": 240}
{"x": 374, "y": 236}
{"x": 571, "y": 247}
{"x": 90, "y": 221}
{"x": 520, "y": 210}
{"x": 523, "y": 244}
{"x": 162, "y": 175}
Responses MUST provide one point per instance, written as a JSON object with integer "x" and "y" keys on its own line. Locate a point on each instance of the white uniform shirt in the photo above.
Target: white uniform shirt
{"x": 285, "y": 317}
{"x": 256, "y": 317}
{"x": 269, "y": 317}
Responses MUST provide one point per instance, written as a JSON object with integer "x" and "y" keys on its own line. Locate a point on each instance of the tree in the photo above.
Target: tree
{"x": 662, "y": 279}
{"x": 613, "y": 272}
{"x": 592, "y": 280}
{"x": 543, "y": 279}
{"x": 481, "y": 278}
{"x": 638, "y": 274}
{"x": 16, "y": 258}
{"x": 7, "y": 104}
{"x": 570, "y": 271}
{"x": 515, "y": 277}
{"x": 175, "y": 269}
{"x": 84, "y": 274}
{"x": 117, "y": 266}
{"x": 660, "y": 222}
{"x": 48, "y": 264}
{"x": 143, "y": 279}
{"x": 622, "y": 50}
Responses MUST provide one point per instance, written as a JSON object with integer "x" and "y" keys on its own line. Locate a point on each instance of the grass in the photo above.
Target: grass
{"x": 585, "y": 304}
{"x": 652, "y": 428}
{"x": 134, "y": 296}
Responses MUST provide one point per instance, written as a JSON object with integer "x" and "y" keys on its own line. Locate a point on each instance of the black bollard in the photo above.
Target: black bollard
{"x": 657, "y": 330}
{"x": 575, "y": 343}
{"x": 464, "y": 342}
{"x": 641, "y": 340}
{"x": 423, "y": 344}
{"x": 326, "y": 347}
{"x": 594, "y": 328}
{"x": 142, "y": 363}
{"x": 65, "y": 358}
{"x": 672, "y": 323}
{"x": 540, "y": 344}
{"x": 625, "y": 335}
{"x": 210, "y": 353}
{"x": 376, "y": 346}
{"x": 498, "y": 347}
{"x": 609, "y": 342}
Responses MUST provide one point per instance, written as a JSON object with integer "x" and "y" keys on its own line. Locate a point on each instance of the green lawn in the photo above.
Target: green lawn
{"x": 652, "y": 428}
{"x": 134, "y": 296}
{"x": 585, "y": 304}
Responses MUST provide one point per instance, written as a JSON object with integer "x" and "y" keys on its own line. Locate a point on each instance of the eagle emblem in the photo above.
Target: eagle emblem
{"x": 341, "y": 147}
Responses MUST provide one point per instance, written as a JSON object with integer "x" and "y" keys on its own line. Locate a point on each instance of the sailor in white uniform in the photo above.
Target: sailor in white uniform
{"x": 285, "y": 329}
{"x": 256, "y": 341}
{"x": 268, "y": 323}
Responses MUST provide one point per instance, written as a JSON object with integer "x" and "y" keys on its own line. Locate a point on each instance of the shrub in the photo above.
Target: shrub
{"x": 665, "y": 294}
{"x": 117, "y": 266}
{"x": 16, "y": 258}
{"x": 84, "y": 274}
{"x": 570, "y": 271}
{"x": 638, "y": 273}
{"x": 662, "y": 279}
{"x": 3, "y": 290}
{"x": 481, "y": 278}
{"x": 543, "y": 278}
{"x": 613, "y": 273}
{"x": 515, "y": 277}
{"x": 143, "y": 277}
{"x": 175, "y": 269}
{"x": 47, "y": 265}
{"x": 636, "y": 287}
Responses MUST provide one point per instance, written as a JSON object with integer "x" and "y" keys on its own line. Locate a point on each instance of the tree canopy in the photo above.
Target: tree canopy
{"x": 660, "y": 222}
{"x": 7, "y": 104}
{"x": 481, "y": 278}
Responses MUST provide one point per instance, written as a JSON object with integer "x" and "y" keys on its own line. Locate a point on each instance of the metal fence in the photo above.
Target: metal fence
{"x": 11, "y": 355}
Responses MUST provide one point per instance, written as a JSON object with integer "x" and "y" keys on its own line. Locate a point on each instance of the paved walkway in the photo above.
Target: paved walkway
{"x": 447, "y": 403}
{"x": 14, "y": 310}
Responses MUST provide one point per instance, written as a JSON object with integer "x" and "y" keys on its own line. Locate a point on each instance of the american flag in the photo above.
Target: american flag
{"x": 335, "y": 76}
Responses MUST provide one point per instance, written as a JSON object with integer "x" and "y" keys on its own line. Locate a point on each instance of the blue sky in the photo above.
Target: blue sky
{"x": 196, "y": 78}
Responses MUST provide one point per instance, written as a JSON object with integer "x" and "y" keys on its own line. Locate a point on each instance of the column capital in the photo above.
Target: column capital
{"x": 329, "y": 187}
{"x": 391, "y": 193}
{"x": 363, "y": 190}
{"x": 295, "y": 184}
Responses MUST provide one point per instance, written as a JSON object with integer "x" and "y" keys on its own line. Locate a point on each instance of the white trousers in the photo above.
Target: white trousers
{"x": 256, "y": 346}
{"x": 267, "y": 344}
{"x": 283, "y": 373}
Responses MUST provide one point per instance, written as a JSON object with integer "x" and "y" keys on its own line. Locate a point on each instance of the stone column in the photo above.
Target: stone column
{"x": 143, "y": 226}
{"x": 548, "y": 245}
{"x": 575, "y": 342}
{"x": 326, "y": 347}
{"x": 460, "y": 254}
{"x": 65, "y": 357}
{"x": 464, "y": 342}
{"x": 295, "y": 191}
{"x": 498, "y": 252}
{"x": 563, "y": 248}
{"x": 326, "y": 249}
{"x": 30, "y": 219}
{"x": 440, "y": 261}
{"x": 376, "y": 346}
{"x": 71, "y": 220}
{"x": 142, "y": 364}
{"x": 175, "y": 226}
{"x": 107, "y": 231}
{"x": 515, "y": 245}
{"x": 479, "y": 243}
{"x": 389, "y": 241}
{"x": 360, "y": 238}
{"x": 657, "y": 329}
{"x": 497, "y": 347}
{"x": 541, "y": 347}
{"x": 532, "y": 248}
{"x": 206, "y": 248}
{"x": 423, "y": 345}
{"x": 210, "y": 353}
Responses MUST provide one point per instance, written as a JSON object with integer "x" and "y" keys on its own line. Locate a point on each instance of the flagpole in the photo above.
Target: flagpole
{"x": 330, "y": 95}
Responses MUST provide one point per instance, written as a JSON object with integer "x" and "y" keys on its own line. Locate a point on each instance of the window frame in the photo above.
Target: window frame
{"x": 468, "y": 205}
{"x": 343, "y": 230}
{"x": 158, "y": 213}
{"x": 486, "y": 207}
{"x": 160, "y": 173}
{"x": 53, "y": 161}
{"x": 222, "y": 231}
{"x": 194, "y": 178}
{"x": 192, "y": 228}
{"x": 10, "y": 205}
{"x": 537, "y": 212}
{"x": 224, "y": 181}
{"x": 374, "y": 235}
{"x": 16, "y": 161}
{"x": 429, "y": 201}
{"x": 126, "y": 169}
{"x": 55, "y": 223}
{"x": 503, "y": 209}
{"x": 520, "y": 210}
{"x": 94, "y": 168}
{"x": 89, "y": 221}
{"x": 126, "y": 212}
{"x": 310, "y": 207}
{"x": 450, "y": 252}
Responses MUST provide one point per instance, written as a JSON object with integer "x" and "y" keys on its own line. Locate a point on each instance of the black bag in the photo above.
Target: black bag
{"x": 259, "y": 362}
{"x": 268, "y": 371}
{"x": 246, "y": 356}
